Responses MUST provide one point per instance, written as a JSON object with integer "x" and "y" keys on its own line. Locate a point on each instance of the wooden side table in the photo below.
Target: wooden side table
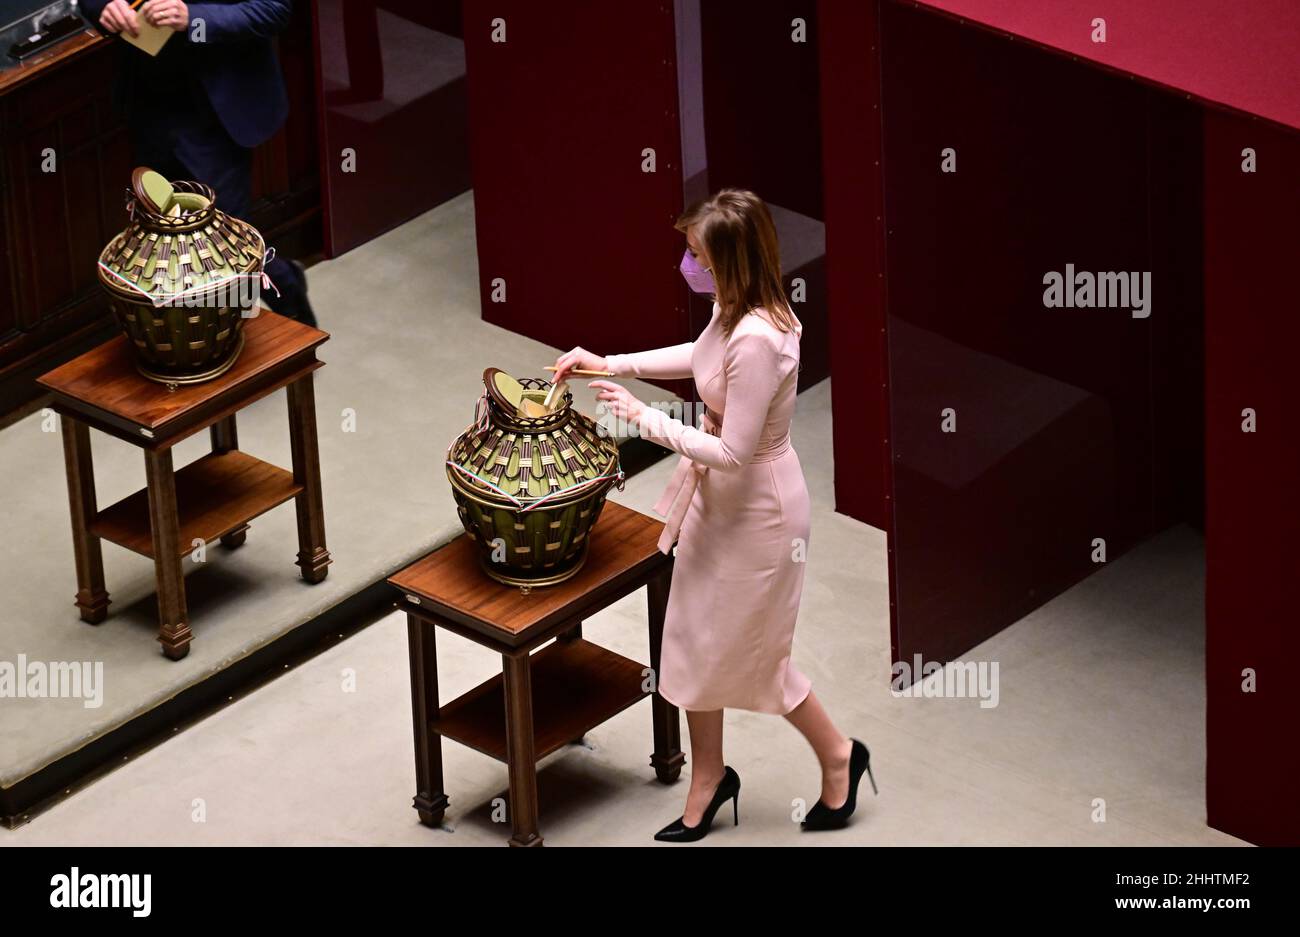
{"x": 541, "y": 701}
{"x": 212, "y": 498}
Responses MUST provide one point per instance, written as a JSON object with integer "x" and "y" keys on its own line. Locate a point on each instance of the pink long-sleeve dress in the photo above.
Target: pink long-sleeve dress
{"x": 744, "y": 515}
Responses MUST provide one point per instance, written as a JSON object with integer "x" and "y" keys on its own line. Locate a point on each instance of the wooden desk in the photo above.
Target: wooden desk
{"x": 543, "y": 701}
{"x": 212, "y": 498}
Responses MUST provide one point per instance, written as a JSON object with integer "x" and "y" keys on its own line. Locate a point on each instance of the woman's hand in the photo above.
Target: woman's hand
{"x": 618, "y": 401}
{"x": 579, "y": 358}
{"x": 118, "y": 17}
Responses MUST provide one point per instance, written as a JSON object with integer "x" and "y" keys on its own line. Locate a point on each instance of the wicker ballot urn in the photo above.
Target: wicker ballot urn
{"x": 530, "y": 479}
{"x": 180, "y": 279}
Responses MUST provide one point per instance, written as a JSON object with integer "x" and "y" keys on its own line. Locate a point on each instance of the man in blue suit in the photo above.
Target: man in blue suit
{"x": 197, "y": 109}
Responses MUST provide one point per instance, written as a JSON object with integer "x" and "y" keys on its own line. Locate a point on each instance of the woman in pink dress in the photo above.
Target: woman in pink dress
{"x": 738, "y": 509}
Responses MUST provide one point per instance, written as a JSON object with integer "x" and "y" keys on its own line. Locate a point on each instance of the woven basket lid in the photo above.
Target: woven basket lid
{"x": 152, "y": 189}
{"x": 178, "y": 243}
{"x": 516, "y": 460}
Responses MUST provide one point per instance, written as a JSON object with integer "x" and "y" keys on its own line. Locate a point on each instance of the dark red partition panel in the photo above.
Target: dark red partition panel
{"x": 760, "y": 100}
{"x": 392, "y": 79}
{"x": 1174, "y": 212}
{"x": 1252, "y": 500}
{"x": 1054, "y": 443}
{"x": 763, "y": 132}
{"x": 1074, "y": 424}
{"x": 560, "y": 113}
{"x": 855, "y": 269}
{"x": 1238, "y": 53}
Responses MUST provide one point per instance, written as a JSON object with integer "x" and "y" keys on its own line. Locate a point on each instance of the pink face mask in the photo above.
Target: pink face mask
{"x": 700, "y": 279}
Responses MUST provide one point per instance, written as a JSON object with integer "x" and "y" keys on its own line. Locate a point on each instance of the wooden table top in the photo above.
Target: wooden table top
{"x": 450, "y": 582}
{"x": 104, "y": 381}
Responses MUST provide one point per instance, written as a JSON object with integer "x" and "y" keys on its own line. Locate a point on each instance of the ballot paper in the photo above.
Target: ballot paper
{"x": 151, "y": 38}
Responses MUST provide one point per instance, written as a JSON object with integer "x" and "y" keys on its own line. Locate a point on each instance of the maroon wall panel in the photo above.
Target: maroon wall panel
{"x": 1174, "y": 141}
{"x": 760, "y": 100}
{"x": 1252, "y": 496}
{"x": 559, "y": 116}
{"x": 1053, "y": 444}
{"x": 851, "y": 173}
{"x": 392, "y": 78}
{"x": 763, "y": 132}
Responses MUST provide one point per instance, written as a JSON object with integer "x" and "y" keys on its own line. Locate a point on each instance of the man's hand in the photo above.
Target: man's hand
{"x": 118, "y": 17}
{"x": 172, "y": 14}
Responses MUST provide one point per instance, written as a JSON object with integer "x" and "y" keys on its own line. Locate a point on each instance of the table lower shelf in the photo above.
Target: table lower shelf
{"x": 214, "y": 495}
{"x": 576, "y": 686}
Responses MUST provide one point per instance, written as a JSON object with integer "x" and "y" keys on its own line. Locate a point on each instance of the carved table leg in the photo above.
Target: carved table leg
{"x": 313, "y": 558}
{"x": 521, "y": 755}
{"x": 430, "y": 798}
{"x": 225, "y": 438}
{"x": 164, "y": 521}
{"x": 92, "y": 598}
{"x": 667, "y": 757}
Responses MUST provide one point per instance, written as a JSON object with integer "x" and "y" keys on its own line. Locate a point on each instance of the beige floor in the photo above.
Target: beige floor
{"x": 1101, "y": 697}
{"x": 386, "y": 411}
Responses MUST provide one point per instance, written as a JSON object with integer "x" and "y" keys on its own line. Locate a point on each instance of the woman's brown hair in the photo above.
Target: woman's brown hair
{"x": 735, "y": 229}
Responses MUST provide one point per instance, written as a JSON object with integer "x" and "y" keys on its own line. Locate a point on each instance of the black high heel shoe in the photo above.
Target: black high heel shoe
{"x": 728, "y": 789}
{"x": 821, "y": 817}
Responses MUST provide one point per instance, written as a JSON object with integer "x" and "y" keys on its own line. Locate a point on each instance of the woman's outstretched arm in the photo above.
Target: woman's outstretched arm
{"x": 663, "y": 363}
{"x": 755, "y": 370}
